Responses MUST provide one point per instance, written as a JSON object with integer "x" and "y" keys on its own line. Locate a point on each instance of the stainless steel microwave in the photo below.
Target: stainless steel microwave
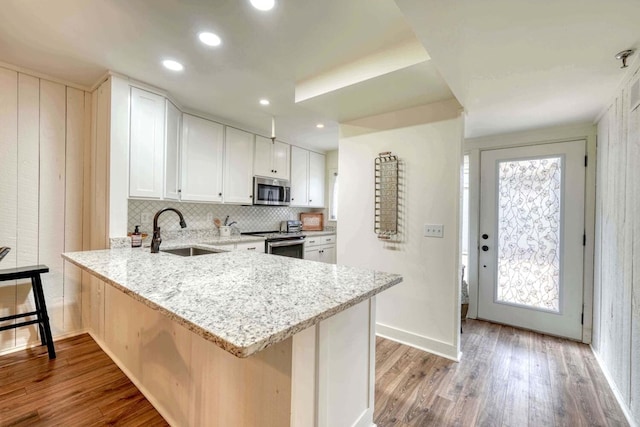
{"x": 270, "y": 191}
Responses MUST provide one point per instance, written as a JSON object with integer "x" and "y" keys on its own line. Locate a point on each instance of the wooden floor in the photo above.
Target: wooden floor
{"x": 81, "y": 387}
{"x": 507, "y": 377}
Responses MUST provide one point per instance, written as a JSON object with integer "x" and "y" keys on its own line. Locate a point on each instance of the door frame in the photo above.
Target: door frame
{"x": 473, "y": 147}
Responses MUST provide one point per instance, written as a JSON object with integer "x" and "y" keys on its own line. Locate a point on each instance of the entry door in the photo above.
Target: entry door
{"x": 531, "y": 237}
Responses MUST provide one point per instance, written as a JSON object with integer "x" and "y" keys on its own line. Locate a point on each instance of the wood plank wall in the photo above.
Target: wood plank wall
{"x": 43, "y": 135}
{"x": 616, "y": 337}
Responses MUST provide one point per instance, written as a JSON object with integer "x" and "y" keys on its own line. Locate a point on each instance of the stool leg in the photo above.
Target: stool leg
{"x": 36, "y": 300}
{"x": 45, "y": 318}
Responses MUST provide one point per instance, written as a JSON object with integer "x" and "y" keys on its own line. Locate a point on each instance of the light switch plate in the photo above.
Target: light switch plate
{"x": 433, "y": 230}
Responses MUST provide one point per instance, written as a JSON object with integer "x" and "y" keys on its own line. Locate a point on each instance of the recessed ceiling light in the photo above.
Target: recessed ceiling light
{"x": 209, "y": 39}
{"x": 320, "y": 125}
{"x": 264, "y": 102}
{"x": 263, "y": 4}
{"x": 172, "y": 65}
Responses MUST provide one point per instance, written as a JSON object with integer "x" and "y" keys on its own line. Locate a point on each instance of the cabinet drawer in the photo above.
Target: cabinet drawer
{"x": 320, "y": 240}
{"x": 250, "y": 246}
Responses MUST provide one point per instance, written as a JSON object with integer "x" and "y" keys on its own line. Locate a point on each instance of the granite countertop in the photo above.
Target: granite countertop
{"x": 318, "y": 233}
{"x": 240, "y": 300}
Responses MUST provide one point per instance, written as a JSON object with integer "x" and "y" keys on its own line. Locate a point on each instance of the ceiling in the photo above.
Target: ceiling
{"x": 513, "y": 64}
{"x": 263, "y": 54}
{"x": 518, "y": 64}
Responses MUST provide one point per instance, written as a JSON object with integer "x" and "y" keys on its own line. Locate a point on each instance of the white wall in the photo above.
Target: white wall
{"x": 424, "y": 310}
{"x": 44, "y": 130}
{"x": 616, "y": 337}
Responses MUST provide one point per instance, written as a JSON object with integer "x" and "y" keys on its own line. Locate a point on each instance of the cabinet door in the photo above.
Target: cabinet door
{"x": 262, "y": 161}
{"x": 312, "y": 254}
{"x": 238, "y": 166}
{"x": 280, "y": 156}
{"x": 146, "y": 144}
{"x": 202, "y": 150}
{"x": 173, "y": 130}
{"x": 299, "y": 176}
{"x": 328, "y": 254}
{"x": 316, "y": 179}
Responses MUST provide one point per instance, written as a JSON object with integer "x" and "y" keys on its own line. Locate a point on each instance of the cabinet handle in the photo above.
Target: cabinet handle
{"x": 312, "y": 241}
{"x": 310, "y": 200}
{"x": 328, "y": 240}
{"x": 251, "y": 249}
{"x": 275, "y": 171}
{"x": 220, "y": 194}
{"x": 251, "y": 196}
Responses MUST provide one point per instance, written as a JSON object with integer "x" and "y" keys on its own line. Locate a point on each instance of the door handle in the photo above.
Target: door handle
{"x": 485, "y": 248}
{"x": 485, "y": 236}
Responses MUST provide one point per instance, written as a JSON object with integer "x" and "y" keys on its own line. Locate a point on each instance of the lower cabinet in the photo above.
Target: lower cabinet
{"x": 251, "y": 246}
{"x": 321, "y": 248}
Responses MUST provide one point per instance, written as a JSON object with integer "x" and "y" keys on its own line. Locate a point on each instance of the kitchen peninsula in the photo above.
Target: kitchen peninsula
{"x": 240, "y": 338}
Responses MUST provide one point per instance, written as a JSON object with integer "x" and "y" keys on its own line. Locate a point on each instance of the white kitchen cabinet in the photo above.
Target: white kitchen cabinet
{"x": 202, "y": 159}
{"x": 146, "y": 144}
{"x": 316, "y": 179}
{"x": 321, "y": 248}
{"x": 271, "y": 158}
{"x": 250, "y": 246}
{"x": 238, "y": 167}
{"x": 307, "y": 178}
{"x": 173, "y": 129}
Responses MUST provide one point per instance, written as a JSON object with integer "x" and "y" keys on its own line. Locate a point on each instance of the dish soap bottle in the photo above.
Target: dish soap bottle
{"x": 136, "y": 238}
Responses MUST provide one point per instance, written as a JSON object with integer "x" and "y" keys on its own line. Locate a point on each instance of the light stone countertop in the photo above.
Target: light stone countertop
{"x": 242, "y": 301}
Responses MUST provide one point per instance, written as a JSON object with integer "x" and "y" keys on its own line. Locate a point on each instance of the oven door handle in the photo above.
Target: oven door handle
{"x": 286, "y": 243}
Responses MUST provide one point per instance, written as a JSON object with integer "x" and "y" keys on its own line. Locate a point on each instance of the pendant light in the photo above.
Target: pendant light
{"x": 273, "y": 129}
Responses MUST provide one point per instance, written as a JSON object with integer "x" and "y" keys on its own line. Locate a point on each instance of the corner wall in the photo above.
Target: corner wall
{"x": 423, "y": 311}
{"x": 616, "y": 329}
{"x": 44, "y": 134}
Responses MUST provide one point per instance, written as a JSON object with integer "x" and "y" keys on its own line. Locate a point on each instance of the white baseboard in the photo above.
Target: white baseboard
{"x": 420, "y": 342}
{"x": 623, "y": 405}
{"x": 38, "y": 343}
{"x": 154, "y": 402}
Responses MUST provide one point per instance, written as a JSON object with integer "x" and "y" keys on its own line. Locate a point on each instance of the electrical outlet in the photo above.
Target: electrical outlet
{"x": 210, "y": 217}
{"x": 433, "y": 230}
{"x": 145, "y": 218}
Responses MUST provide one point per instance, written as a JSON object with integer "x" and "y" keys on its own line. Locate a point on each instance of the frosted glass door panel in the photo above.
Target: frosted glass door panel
{"x": 529, "y": 230}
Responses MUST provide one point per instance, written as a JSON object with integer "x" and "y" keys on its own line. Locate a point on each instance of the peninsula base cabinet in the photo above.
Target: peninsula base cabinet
{"x": 322, "y": 376}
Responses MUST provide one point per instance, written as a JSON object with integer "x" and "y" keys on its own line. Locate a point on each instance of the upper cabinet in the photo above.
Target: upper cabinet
{"x": 238, "y": 167}
{"x": 316, "y": 179}
{"x": 146, "y": 146}
{"x": 271, "y": 158}
{"x": 202, "y": 160}
{"x": 307, "y": 178}
{"x": 173, "y": 128}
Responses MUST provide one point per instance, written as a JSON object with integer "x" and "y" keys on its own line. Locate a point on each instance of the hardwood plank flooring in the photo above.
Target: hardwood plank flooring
{"x": 81, "y": 387}
{"x": 507, "y": 377}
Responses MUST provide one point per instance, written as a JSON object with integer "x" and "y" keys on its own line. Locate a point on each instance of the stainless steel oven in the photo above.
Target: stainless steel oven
{"x": 285, "y": 244}
{"x": 293, "y": 248}
{"x": 269, "y": 191}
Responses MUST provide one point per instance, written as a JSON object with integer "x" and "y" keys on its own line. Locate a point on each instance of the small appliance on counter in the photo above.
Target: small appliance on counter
{"x": 291, "y": 226}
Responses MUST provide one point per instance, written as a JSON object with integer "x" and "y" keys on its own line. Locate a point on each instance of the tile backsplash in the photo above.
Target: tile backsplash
{"x": 199, "y": 216}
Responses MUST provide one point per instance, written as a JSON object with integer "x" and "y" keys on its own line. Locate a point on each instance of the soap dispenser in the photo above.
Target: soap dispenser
{"x": 136, "y": 238}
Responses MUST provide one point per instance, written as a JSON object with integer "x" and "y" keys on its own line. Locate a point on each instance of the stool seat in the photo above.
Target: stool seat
{"x": 42, "y": 319}
{"x": 22, "y": 272}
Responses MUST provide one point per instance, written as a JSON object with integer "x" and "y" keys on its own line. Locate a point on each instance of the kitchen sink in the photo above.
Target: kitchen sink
{"x": 190, "y": 251}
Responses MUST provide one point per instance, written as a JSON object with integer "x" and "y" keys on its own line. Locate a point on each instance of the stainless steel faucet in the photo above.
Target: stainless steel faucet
{"x": 156, "y": 240}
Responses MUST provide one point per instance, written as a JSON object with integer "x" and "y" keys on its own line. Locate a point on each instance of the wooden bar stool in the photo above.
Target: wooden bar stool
{"x": 32, "y": 272}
